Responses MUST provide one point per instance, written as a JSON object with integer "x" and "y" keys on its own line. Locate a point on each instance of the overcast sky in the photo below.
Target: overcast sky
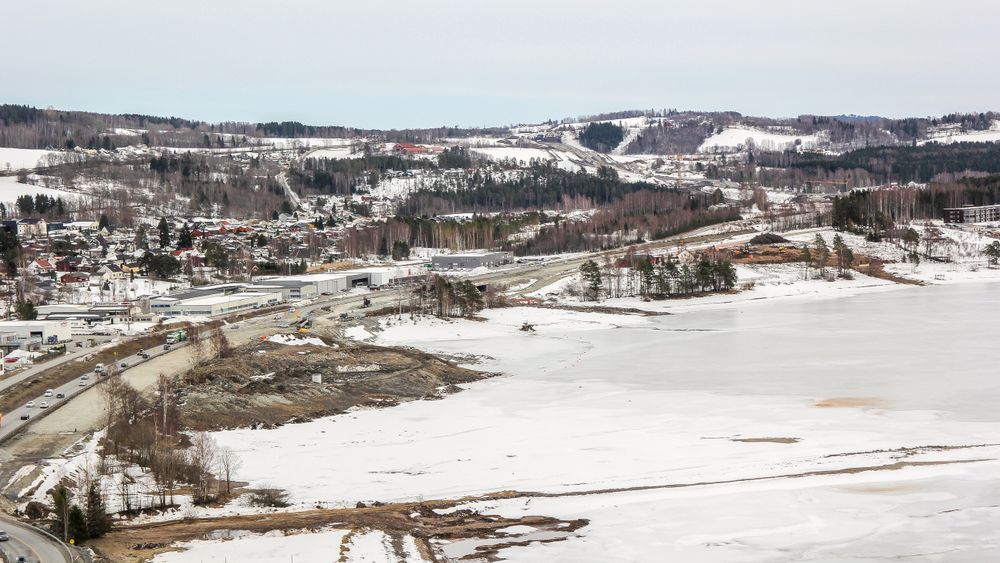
{"x": 401, "y": 63}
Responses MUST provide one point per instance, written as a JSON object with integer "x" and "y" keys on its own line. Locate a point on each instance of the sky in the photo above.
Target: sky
{"x": 427, "y": 63}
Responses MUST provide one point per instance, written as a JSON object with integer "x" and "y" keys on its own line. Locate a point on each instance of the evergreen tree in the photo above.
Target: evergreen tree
{"x": 993, "y": 252}
{"x": 98, "y": 520}
{"x": 77, "y": 525}
{"x": 103, "y": 223}
{"x": 164, "y": 229}
{"x": 140, "y": 237}
{"x": 60, "y": 508}
{"x": 822, "y": 252}
{"x": 590, "y": 273}
{"x": 25, "y": 310}
{"x": 184, "y": 238}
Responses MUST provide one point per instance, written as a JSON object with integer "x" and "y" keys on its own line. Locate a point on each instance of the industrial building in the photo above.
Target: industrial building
{"x": 472, "y": 260}
{"x": 216, "y": 300}
{"x": 24, "y": 334}
{"x": 972, "y": 214}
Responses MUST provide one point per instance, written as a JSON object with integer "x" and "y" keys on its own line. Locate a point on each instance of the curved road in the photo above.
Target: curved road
{"x": 35, "y": 546}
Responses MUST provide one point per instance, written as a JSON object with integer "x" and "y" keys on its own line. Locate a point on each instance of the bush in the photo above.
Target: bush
{"x": 269, "y": 496}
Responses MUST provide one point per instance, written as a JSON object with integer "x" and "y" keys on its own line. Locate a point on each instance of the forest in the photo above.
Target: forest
{"x": 602, "y": 137}
{"x": 543, "y": 185}
{"x": 877, "y": 165}
{"x": 876, "y": 211}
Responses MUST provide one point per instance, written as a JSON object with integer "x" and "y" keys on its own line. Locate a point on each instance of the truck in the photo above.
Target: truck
{"x": 99, "y": 369}
{"x": 177, "y": 336}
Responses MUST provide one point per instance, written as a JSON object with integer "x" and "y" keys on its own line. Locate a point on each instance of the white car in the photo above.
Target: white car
{"x": 43, "y": 405}
{"x": 83, "y": 383}
{"x": 30, "y": 404}
{"x": 49, "y": 392}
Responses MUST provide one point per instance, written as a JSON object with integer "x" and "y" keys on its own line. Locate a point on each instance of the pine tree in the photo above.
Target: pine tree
{"x": 822, "y": 252}
{"x": 590, "y": 272}
{"x": 98, "y": 520}
{"x": 103, "y": 223}
{"x": 184, "y": 239}
{"x": 164, "y": 232}
{"x": 77, "y": 525}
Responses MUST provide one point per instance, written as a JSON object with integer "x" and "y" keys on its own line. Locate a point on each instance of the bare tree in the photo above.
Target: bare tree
{"x": 229, "y": 463}
{"x": 201, "y": 458}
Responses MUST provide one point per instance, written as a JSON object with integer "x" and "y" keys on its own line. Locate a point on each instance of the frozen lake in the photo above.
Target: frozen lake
{"x": 865, "y": 425}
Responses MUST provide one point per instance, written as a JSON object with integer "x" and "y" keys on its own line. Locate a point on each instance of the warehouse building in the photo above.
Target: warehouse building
{"x": 44, "y": 332}
{"x": 472, "y": 260}
{"x": 216, "y": 300}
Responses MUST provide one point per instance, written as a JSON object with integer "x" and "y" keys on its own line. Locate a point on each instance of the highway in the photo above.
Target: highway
{"x": 32, "y": 544}
{"x": 71, "y": 354}
{"x": 12, "y": 422}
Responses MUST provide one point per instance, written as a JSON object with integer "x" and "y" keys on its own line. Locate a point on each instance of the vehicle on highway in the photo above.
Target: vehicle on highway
{"x": 25, "y": 416}
{"x": 99, "y": 369}
{"x": 60, "y": 395}
{"x": 49, "y": 393}
{"x": 145, "y": 356}
{"x": 166, "y": 346}
{"x": 43, "y": 405}
{"x": 85, "y": 377}
{"x": 4, "y": 536}
{"x": 30, "y": 404}
{"x": 21, "y": 559}
{"x": 141, "y": 350}
{"x": 123, "y": 365}
{"x": 83, "y": 383}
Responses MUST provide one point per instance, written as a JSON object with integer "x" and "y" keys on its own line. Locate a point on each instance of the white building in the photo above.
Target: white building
{"x": 48, "y": 332}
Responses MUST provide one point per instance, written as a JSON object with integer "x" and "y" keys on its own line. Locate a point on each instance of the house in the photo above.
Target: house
{"x": 409, "y": 148}
{"x": 74, "y": 279}
{"x": 110, "y": 272}
{"x": 40, "y": 267}
{"x": 29, "y": 228}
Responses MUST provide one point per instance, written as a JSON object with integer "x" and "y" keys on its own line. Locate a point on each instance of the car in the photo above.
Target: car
{"x": 166, "y": 346}
{"x": 49, "y": 393}
{"x": 60, "y": 395}
{"x": 21, "y": 559}
{"x": 145, "y": 356}
{"x": 83, "y": 383}
{"x": 43, "y": 405}
{"x": 141, "y": 350}
{"x": 4, "y": 536}
{"x": 123, "y": 365}
{"x": 30, "y": 404}
{"x": 25, "y": 416}
{"x": 84, "y": 377}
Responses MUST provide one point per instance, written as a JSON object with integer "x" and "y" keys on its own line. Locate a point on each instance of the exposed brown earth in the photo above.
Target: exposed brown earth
{"x": 135, "y": 544}
{"x": 266, "y": 384}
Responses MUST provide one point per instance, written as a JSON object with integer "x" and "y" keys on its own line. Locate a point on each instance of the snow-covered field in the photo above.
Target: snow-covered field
{"x": 732, "y": 138}
{"x": 17, "y": 159}
{"x": 518, "y": 154}
{"x": 370, "y": 546}
{"x": 11, "y": 189}
{"x": 954, "y": 134}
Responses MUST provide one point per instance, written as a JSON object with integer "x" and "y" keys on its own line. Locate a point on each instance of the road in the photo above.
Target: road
{"x": 35, "y": 546}
{"x": 71, "y": 354}
{"x": 294, "y": 197}
{"x": 13, "y": 421}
